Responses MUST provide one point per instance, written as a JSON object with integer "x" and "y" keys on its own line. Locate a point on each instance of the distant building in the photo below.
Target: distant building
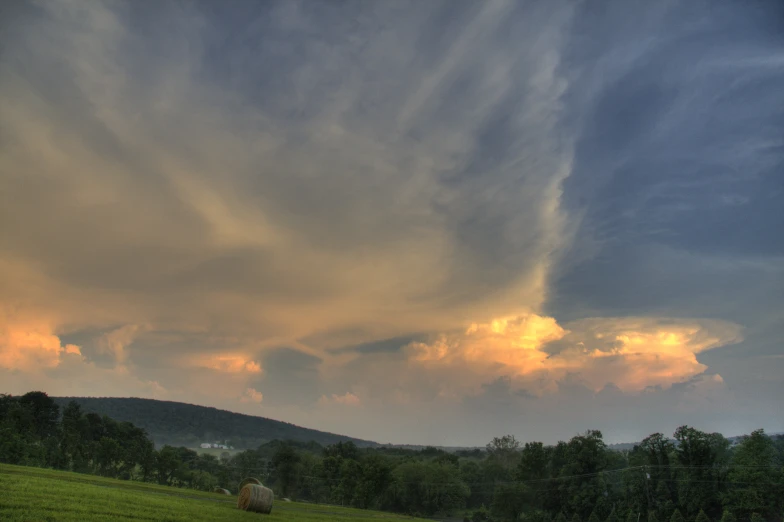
{"x": 215, "y": 445}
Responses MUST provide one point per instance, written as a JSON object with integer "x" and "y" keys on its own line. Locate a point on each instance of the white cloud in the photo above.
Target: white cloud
{"x": 252, "y": 395}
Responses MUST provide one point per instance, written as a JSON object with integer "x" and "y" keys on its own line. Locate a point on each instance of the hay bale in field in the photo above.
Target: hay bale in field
{"x": 221, "y": 491}
{"x": 255, "y": 498}
{"x": 249, "y": 480}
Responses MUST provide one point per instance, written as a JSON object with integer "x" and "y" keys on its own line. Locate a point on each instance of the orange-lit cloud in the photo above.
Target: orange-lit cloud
{"x": 634, "y": 353}
{"x": 630, "y": 353}
{"x": 513, "y": 341}
{"x": 30, "y": 345}
{"x": 347, "y": 398}
{"x": 228, "y": 363}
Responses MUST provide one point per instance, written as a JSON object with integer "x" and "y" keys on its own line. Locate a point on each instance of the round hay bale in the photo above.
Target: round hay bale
{"x": 256, "y": 498}
{"x": 250, "y": 480}
{"x": 221, "y": 491}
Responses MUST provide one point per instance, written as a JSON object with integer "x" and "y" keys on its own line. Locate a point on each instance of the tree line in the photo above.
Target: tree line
{"x": 692, "y": 477}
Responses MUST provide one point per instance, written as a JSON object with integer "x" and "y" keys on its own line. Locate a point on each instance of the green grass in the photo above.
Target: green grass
{"x": 34, "y": 494}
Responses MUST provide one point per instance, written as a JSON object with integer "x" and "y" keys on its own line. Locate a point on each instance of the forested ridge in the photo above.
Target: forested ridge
{"x": 693, "y": 477}
{"x": 181, "y": 424}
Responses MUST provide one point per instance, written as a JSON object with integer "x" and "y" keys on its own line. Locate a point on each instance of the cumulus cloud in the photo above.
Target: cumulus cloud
{"x": 30, "y": 345}
{"x": 348, "y": 399}
{"x": 631, "y": 354}
{"x": 252, "y": 395}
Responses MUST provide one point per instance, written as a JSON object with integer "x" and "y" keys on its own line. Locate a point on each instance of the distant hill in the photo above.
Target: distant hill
{"x": 181, "y": 424}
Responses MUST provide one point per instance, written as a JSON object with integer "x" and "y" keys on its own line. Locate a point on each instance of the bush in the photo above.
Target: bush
{"x": 481, "y": 515}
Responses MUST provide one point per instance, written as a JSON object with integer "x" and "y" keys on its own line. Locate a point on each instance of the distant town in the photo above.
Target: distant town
{"x": 215, "y": 445}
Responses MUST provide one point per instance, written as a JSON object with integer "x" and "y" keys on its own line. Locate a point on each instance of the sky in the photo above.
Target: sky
{"x": 423, "y": 222}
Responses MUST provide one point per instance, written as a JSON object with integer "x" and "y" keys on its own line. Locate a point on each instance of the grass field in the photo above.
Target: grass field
{"x": 34, "y": 494}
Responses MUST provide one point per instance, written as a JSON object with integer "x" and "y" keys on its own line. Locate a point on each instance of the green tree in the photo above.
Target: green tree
{"x": 109, "y": 456}
{"x": 756, "y": 517}
{"x": 45, "y": 413}
{"x": 697, "y": 453}
{"x": 663, "y": 500}
{"x": 429, "y": 488}
{"x": 285, "y": 462}
{"x": 504, "y": 451}
{"x": 74, "y": 428}
{"x": 582, "y": 486}
{"x": 561, "y": 517}
{"x": 345, "y": 450}
{"x": 755, "y": 465}
{"x": 612, "y": 517}
{"x": 350, "y": 473}
{"x": 576, "y": 518}
{"x": 536, "y": 516}
{"x": 167, "y": 462}
{"x": 472, "y": 474}
{"x": 510, "y": 500}
{"x": 376, "y": 476}
{"x": 652, "y": 516}
{"x": 728, "y": 516}
{"x": 702, "y": 517}
{"x": 593, "y": 517}
{"x": 677, "y": 516}
{"x": 533, "y": 462}
{"x": 480, "y": 515}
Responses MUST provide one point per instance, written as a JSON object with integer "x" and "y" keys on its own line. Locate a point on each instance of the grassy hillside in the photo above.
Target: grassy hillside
{"x": 39, "y": 494}
{"x": 181, "y": 424}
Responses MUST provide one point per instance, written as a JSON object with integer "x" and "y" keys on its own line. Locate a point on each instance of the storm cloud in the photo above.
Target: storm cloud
{"x": 352, "y": 215}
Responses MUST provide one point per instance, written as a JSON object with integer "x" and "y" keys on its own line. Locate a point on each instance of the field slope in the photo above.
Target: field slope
{"x": 33, "y": 494}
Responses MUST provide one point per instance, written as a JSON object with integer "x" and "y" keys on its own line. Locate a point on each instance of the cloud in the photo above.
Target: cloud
{"x": 228, "y": 363}
{"x": 252, "y": 395}
{"x": 631, "y": 354}
{"x": 348, "y": 399}
{"x": 306, "y": 199}
{"x": 199, "y": 205}
{"x": 29, "y": 344}
{"x": 116, "y": 341}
